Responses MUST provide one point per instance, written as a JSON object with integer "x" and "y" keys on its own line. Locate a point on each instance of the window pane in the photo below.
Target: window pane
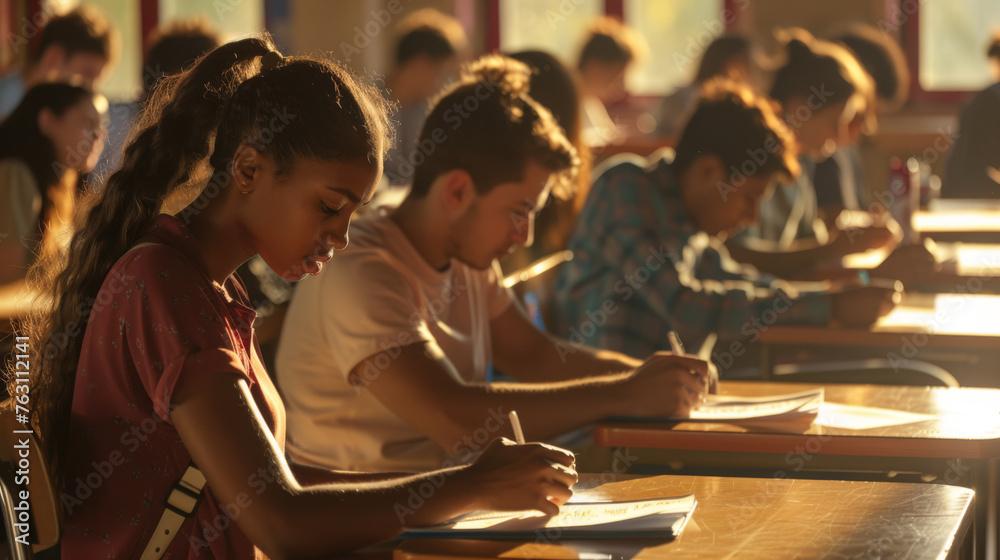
{"x": 676, "y": 33}
{"x": 556, "y": 26}
{"x": 953, "y": 39}
{"x": 233, "y": 19}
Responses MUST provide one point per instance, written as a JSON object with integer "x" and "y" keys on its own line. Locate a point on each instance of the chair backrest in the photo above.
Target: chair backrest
{"x": 32, "y": 513}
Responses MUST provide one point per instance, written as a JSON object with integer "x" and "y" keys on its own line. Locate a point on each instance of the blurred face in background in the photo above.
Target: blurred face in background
{"x": 819, "y": 131}
{"x": 718, "y": 202}
{"x": 77, "y": 135}
{"x": 428, "y": 75}
{"x": 604, "y": 80}
{"x": 80, "y": 68}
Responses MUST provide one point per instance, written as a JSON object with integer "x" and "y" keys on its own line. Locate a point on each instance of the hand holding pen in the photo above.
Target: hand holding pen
{"x": 678, "y": 348}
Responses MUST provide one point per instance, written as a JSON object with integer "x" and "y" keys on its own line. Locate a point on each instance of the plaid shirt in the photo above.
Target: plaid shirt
{"x": 642, "y": 268}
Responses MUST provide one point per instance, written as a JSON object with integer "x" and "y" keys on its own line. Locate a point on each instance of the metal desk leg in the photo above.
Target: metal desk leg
{"x": 985, "y": 524}
{"x": 766, "y": 362}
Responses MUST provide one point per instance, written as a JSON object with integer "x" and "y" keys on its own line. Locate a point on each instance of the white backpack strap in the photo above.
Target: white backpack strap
{"x": 180, "y": 504}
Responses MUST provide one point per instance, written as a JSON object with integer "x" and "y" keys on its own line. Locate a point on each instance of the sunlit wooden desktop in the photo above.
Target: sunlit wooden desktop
{"x": 965, "y": 268}
{"x": 960, "y": 446}
{"x": 759, "y": 518}
{"x": 960, "y": 220}
{"x": 950, "y": 330}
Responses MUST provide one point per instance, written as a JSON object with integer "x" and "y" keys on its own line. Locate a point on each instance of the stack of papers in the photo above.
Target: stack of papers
{"x": 777, "y": 411}
{"x": 794, "y": 407}
{"x": 664, "y": 518}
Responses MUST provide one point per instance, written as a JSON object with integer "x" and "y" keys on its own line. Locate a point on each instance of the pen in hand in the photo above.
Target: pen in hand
{"x": 677, "y": 348}
{"x": 516, "y": 424}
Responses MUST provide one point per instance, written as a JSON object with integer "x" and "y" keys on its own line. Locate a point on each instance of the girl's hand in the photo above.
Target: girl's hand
{"x": 512, "y": 477}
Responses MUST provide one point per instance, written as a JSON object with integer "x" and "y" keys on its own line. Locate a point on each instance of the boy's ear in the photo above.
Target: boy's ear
{"x": 458, "y": 190}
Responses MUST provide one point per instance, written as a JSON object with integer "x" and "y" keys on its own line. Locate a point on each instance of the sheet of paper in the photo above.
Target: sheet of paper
{"x": 660, "y": 515}
{"x": 836, "y": 415}
{"x": 724, "y": 408}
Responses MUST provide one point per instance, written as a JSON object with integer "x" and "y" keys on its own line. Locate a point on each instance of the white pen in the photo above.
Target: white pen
{"x": 516, "y": 424}
{"x": 677, "y": 348}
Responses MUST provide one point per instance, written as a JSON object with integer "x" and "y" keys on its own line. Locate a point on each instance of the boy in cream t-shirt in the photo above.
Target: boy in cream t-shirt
{"x": 383, "y": 359}
{"x": 380, "y": 296}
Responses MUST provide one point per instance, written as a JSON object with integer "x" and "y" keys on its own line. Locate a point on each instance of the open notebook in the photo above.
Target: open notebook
{"x": 664, "y": 518}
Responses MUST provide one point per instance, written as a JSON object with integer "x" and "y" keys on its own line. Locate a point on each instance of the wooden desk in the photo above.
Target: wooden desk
{"x": 980, "y": 225}
{"x": 950, "y": 330}
{"x": 965, "y": 268}
{"x": 960, "y": 447}
{"x": 761, "y": 518}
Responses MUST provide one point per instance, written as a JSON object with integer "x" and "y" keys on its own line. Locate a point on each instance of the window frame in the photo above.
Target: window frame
{"x": 910, "y": 35}
{"x": 613, "y": 8}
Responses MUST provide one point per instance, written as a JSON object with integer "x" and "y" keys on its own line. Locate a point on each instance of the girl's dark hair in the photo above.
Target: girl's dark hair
{"x": 814, "y": 65}
{"x": 300, "y": 108}
{"x": 721, "y": 52}
{"x": 20, "y": 137}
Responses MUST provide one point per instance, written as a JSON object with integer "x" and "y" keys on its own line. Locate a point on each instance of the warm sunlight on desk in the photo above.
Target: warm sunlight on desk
{"x": 944, "y": 314}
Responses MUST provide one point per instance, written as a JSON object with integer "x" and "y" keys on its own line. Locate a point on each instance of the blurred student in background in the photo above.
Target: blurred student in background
{"x": 610, "y": 49}
{"x": 53, "y": 136}
{"x": 822, "y": 91}
{"x": 973, "y": 166}
{"x": 839, "y": 180}
{"x": 172, "y": 48}
{"x": 553, "y": 85}
{"x": 428, "y": 50}
{"x": 648, "y": 257}
{"x": 77, "y": 47}
{"x": 734, "y": 56}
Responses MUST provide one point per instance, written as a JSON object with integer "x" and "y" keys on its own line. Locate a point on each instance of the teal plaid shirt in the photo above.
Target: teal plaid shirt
{"x": 642, "y": 268}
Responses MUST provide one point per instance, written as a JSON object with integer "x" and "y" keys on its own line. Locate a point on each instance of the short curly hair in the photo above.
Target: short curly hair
{"x": 738, "y": 126}
{"x": 488, "y": 125}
